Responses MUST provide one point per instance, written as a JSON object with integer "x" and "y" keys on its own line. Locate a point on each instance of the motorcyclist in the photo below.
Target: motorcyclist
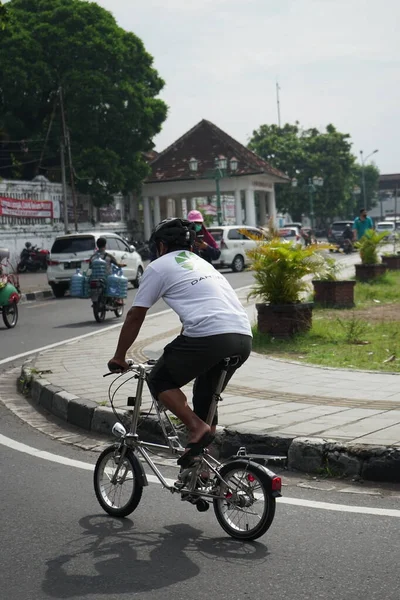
{"x": 101, "y": 252}
{"x": 204, "y": 245}
{"x": 348, "y": 236}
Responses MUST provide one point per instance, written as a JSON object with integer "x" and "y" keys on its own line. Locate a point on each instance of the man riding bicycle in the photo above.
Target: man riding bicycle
{"x": 214, "y": 326}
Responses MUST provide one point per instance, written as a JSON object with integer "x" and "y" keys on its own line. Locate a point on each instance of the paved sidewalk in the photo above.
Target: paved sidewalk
{"x": 265, "y": 396}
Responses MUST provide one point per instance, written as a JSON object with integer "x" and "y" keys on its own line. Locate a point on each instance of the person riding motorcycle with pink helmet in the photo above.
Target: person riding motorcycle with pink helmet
{"x": 204, "y": 245}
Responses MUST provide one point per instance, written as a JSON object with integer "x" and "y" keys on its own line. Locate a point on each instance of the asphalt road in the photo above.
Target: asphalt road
{"x": 49, "y": 321}
{"x": 57, "y": 543}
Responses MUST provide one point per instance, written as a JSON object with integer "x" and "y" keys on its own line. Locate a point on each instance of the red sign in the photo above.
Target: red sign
{"x": 34, "y": 209}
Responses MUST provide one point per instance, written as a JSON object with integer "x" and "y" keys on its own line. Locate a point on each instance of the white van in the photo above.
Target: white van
{"x": 388, "y": 226}
{"x": 73, "y": 251}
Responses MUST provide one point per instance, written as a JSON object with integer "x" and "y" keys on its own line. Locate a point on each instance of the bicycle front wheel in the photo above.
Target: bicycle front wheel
{"x": 116, "y": 482}
{"x": 246, "y": 507}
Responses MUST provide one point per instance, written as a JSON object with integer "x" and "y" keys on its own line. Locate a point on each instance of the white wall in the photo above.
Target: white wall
{"x": 42, "y": 232}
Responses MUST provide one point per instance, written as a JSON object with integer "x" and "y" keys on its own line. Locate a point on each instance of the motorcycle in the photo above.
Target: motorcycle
{"x": 102, "y": 304}
{"x": 32, "y": 259}
{"x": 144, "y": 249}
{"x": 345, "y": 246}
{"x": 9, "y": 291}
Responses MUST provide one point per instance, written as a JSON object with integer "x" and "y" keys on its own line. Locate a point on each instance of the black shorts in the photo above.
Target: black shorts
{"x": 187, "y": 358}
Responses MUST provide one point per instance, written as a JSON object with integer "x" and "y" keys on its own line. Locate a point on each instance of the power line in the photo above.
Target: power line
{"x": 25, "y": 140}
{"x": 19, "y": 164}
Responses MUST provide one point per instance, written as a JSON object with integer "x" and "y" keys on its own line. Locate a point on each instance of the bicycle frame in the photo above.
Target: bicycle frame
{"x": 131, "y": 439}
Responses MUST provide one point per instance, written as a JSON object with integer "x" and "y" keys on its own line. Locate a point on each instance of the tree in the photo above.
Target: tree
{"x": 3, "y": 16}
{"x": 371, "y": 175}
{"x": 304, "y": 154}
{"x": 74, "y": 51}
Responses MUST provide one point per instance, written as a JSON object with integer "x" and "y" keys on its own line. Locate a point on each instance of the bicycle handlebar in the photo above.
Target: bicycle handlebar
{"x": 132, "y": 367}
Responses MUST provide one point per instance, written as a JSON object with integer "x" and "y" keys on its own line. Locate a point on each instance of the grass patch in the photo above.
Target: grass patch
{"x": 384, "y": 290}
{"x": 366, "y": 337}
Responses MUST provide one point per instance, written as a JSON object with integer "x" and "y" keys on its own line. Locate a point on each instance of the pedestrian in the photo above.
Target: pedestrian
{"x": 205, "y": 245}
{"x": 362, "y": 224}
{"x": 214, "y": 326}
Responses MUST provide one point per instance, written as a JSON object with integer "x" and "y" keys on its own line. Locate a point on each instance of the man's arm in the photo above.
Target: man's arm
{"x": 129, "y": 332}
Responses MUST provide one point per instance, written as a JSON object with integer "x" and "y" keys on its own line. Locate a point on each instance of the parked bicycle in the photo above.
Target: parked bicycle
{"x": 242, "y": 490}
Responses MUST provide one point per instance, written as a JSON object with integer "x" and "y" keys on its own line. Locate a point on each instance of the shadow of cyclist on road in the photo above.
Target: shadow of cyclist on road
{"x": 113, "y": 557}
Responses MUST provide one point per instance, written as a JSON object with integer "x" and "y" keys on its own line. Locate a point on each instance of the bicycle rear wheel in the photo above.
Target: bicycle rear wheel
{"x": 247, "y": 507}
{"x": 117, "y": 482}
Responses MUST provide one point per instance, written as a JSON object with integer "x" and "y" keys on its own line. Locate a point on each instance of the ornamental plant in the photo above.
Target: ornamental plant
{"x": 280, "y": 268}
{"x": 368, "y": 246}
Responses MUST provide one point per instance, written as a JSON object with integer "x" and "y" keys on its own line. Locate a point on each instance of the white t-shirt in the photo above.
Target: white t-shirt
{"x": 203, "y": 299}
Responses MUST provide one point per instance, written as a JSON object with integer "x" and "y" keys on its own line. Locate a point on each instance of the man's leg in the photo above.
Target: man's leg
{"x": 176, "y": 401}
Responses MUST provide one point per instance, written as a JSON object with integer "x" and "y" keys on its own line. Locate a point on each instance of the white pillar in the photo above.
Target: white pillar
{"x": 238, "y": 207}
{"x": 170, "y": 208}
{"x": 178, "y": 208}
{"x": 146, "y": 218}
{"x": 193, "y": 204}
{"x": 250, "y": 208}
{"x": 272, "y": 206}
{"x": 156, "y": 209}
{"x": 185, "y": 207}
{"x": 263, "y": 209}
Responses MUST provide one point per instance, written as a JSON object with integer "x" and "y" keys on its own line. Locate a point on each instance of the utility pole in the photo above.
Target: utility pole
{"x": 363, "y": 179}
{"x": 68, "y": 144}
{"x": 278, "y": 104}
{"x": 64, "y": 186}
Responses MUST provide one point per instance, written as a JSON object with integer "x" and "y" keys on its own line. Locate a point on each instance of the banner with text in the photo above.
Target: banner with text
{"x": 31, "y": 209}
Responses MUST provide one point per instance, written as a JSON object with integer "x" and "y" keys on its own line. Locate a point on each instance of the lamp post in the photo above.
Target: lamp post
{"x": 219, "y": 172}
{"x": 356, "y": 192}
{"x": 363, "y": 161}
{"x": 313, "y": 183}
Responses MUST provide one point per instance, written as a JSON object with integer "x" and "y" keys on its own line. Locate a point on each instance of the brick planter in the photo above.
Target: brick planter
{"x": 392, "y": 262}
{"x": 284, "y": 320}
{"x": 334, "y": 294}
{"x": 368, "y": 272}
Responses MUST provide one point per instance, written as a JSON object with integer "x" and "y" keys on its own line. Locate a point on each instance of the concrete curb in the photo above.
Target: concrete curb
{"x": 32, "y": 296}
{"x": 305, "y": 454}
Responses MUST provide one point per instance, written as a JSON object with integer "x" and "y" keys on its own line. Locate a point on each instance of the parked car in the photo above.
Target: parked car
{"x": 388, "y": 226}
{"x": 295, "y": 224}
{"x": 73, "y": 251}
{"x": 335, "y": 231}
{"x": 291, "y": 235}
{"x": 233, "y": 245}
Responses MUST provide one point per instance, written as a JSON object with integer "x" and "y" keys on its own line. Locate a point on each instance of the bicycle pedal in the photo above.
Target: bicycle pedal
{"x": 186, "y": 497}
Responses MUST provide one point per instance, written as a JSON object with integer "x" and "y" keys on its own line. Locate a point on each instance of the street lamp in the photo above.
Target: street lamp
{"x": 363, "y": 160}
{"x": 219, "y": 172}
{"x": 313, "y": 183}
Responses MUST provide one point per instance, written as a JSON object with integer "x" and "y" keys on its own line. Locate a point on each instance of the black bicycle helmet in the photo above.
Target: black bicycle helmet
{"x": 175, "y": 233}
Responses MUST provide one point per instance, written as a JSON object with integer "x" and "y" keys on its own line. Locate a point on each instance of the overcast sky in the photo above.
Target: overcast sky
{"x": 337, "y": 61}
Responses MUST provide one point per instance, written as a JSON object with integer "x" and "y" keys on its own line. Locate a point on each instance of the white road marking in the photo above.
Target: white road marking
{"x": 4, "y": 361}
{"x": 70, "y": 462}
{"x": 36, "y": 305}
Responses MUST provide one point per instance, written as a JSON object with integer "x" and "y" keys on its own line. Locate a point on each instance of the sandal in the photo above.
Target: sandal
{"x": 195, "y": 449}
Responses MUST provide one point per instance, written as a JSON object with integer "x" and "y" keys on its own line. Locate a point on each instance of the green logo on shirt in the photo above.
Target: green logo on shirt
{"x": 186, "y": 260}
{"x": 189, "y": 261}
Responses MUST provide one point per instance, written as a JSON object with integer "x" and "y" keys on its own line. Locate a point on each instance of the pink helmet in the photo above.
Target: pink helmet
{"x": 195, "y": 216}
